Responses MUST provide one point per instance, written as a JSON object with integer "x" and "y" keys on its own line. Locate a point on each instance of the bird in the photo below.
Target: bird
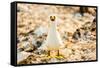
{"x": 53, "y": 41}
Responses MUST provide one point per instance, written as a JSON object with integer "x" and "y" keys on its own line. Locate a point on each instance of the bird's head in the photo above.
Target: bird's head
{"x": 52, "y": 18}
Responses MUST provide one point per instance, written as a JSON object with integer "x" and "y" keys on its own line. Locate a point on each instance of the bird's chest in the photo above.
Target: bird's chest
{"x": 53, "y": 35}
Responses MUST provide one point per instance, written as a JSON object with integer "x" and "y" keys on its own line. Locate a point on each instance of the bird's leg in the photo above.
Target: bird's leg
{"x": 49, "y": 54}
{"x": 52, "y": 53}
{"x": 58, "y": 52}
{"x": 59, "y": 56}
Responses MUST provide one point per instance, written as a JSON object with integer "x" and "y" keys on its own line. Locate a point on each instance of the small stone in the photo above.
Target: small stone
{"x": 22, "y": 56}
{"x": 40, "y": 31}
{"x": 38, "y": 43}
{"x": 65, "y": 52}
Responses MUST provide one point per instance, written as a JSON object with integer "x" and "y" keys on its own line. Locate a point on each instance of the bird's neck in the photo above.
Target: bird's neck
{"x": 53, "y": 25}
{"x": 52, "y": 28}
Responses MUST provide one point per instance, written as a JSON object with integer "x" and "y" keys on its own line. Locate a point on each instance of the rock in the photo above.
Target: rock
{"x": 18, "y": 40}
{"x": 83, "y": 10}
{"x": 38, "y": 43}
{"x": 65, "y": 52}
{"x": 22, "y": 56}
{"x": 26, "y": 39}
{"x": 20, "y": 49}
{"x": 26, "y": 46}
{"x": 76, "y": 34}
{"x": 40, "y": 31}
{"x": 87, "y": 35}
{"x": 32, "y": 40}
{"x": 78, "y": 16}
{"x": 40, "y": 52}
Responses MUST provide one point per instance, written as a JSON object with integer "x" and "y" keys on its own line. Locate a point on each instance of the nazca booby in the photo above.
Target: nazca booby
{"x": 53, "y": 40}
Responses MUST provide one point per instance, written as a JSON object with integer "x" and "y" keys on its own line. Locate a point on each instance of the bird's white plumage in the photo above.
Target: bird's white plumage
{"x": 53, "y": 40}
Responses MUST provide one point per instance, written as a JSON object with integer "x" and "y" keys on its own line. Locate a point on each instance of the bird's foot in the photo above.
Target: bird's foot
{"x": 49, "y": 57}
{"x": 58, "y": 57}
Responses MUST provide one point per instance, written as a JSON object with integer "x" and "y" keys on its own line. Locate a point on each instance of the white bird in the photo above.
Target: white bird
{"x": 53, "y": 40}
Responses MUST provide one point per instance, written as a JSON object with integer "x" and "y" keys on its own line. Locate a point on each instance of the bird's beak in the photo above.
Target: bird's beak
{"x": 52, "y": 18}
